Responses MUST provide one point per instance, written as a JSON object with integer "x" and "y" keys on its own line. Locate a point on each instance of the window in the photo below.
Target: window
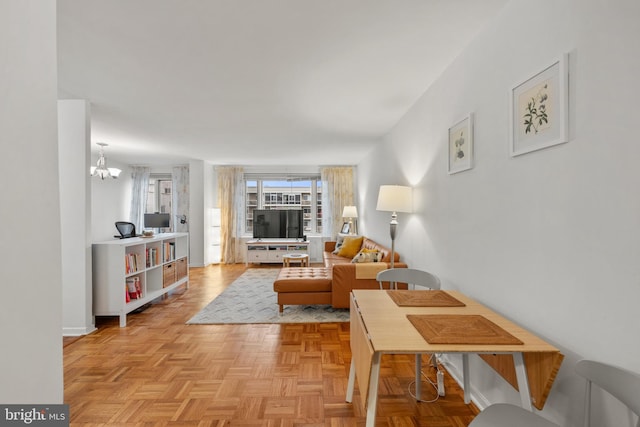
{"x": 285, "y": 192}
{"x": 159, "y": 195}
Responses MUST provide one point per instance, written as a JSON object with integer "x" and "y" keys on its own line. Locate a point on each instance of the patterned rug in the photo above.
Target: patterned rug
{"x": 251, "y": 299}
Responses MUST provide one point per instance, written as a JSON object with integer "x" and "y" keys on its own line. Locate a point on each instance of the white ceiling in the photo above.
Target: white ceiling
{"x": 255, "y": 82}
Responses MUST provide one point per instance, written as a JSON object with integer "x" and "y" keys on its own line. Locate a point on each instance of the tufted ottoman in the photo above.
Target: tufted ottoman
{"x": 297, "y": 285}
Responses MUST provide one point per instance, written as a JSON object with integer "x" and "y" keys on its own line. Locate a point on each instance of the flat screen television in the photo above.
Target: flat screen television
{"x": 277, "y": 224}
{"x": 157, "y": 220}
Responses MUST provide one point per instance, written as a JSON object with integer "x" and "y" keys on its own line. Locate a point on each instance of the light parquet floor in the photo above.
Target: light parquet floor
{"x": 158, "y": 371}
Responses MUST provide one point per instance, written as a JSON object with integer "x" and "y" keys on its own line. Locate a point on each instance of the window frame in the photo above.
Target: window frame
{"x": 154, "y": 179}
{"x": 310, "y": 202}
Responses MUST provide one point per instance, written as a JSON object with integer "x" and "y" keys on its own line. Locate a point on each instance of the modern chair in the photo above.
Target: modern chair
{"x": 126, "y": 229}
{"x": 620, "y": 383}
{"x": 507, "y": 415}
{"x": 411, "y": 276}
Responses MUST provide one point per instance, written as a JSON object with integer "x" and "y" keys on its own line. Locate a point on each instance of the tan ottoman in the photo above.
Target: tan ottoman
{"x": 297, "y": 285}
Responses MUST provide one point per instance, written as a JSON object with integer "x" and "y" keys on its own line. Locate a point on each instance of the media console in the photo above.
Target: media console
{"x": 272, "y": 250}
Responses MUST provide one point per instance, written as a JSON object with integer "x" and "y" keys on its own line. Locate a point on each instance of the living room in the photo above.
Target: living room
{"x": 547, "y": 238}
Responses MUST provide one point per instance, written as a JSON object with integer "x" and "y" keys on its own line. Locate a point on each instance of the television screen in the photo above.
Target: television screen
{"x": 277, "y": 224}
{"x": 157, "y": 220}
{"x": 294, "y": 224}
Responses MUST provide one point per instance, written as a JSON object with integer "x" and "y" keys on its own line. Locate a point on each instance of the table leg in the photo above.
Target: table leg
{"x": 352, "y": 380}
{"x": 372, "y": 400}
{"x": 466, "y": 381}
{"x": 418, "y": 376}
{"x": 523, "y": 381}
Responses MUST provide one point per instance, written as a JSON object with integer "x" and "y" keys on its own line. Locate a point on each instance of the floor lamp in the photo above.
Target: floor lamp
{"x": 394, "y": 198}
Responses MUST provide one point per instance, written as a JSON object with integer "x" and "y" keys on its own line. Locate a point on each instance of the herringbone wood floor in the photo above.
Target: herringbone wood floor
{"x": 158, "y": 371}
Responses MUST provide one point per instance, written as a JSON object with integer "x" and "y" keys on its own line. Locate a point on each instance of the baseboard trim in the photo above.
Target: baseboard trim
{"x": 76, "y": 332}
{"x": 476, "y": 397}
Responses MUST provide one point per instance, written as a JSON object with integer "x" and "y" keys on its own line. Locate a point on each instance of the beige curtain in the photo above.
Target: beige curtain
{"x": 180, "y": 199}
{"x": 139, "y": 191}
{"x": 337, "y": 192}
{"x": 230, "y": 202}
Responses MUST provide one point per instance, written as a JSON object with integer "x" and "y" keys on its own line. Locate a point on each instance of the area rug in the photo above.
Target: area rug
{"x": 251, "y": 299}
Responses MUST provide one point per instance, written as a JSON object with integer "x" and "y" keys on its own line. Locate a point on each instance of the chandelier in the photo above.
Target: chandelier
{"x": 101, "y": 168}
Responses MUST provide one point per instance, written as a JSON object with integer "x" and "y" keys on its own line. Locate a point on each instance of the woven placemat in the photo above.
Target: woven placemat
{"x": 406, "y": 298}
{"x": 460, "y": 329}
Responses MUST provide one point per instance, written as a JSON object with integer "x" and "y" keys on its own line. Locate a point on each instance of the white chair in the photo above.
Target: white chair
{"x": 411, "y": 276}
{"x": 507, "y": 415}
{"x": 622, "y": 384}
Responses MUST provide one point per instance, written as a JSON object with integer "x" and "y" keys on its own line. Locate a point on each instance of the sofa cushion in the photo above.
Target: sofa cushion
{"x": 339, "y": 241}
{"x": 386, "y": 252}
{"x": 350, "y": 247}
{"x": 331, "y": 259}
{"x": 367, "y": 255}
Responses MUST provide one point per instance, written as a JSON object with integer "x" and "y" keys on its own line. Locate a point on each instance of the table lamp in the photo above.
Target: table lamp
{"x": 350, "y": 212}
{"x": 394, "y": 198}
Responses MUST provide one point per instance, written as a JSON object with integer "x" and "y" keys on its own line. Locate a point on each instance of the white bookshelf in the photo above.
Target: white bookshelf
{"x": 159, "y": 264}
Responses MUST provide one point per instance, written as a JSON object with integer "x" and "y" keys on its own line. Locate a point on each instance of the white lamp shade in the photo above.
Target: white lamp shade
{"x": 394, "y": 198}
{"x": 105, "y": 172}
{"x": 350, "y": 212}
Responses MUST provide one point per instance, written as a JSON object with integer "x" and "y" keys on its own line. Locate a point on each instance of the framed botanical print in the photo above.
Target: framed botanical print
{"x": 539, "y": 109}
{"x": 461, "y": 145}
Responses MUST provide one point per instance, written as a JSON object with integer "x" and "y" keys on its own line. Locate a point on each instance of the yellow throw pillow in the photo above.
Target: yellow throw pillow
{"x": 350, "y": 247}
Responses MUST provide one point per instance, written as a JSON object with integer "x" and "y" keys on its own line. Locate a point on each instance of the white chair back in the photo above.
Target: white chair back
{"x": 622, "y": 384}
{"x": 410, "y": 276}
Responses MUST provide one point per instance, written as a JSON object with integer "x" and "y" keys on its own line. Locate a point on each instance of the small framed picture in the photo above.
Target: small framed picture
{"x": 539, "y": 109}
{"x": 345, "y": 228}
{"x": 461, "y": 145}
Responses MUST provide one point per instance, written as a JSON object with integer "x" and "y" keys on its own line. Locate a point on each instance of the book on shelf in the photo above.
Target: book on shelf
{"x": 134, "y": 288}
{"x": 132, "y": 263}
{"x": 169, "y": 251}
{"x": 152, "y": 256}
{"x": 138, "y": 287}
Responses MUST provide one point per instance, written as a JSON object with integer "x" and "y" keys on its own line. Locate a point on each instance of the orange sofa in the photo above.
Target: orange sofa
{"x": 332, "y": 284}
{"x": 346, "y": 275}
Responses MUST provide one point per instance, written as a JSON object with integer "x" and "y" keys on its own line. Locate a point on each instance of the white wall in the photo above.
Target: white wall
{"x": 197, "y": 215}
{"x": 551, "y": 238}
{"x": 74, "y": 133}
{"x": 110, "y": 200}
{"x": 31, "y": 303}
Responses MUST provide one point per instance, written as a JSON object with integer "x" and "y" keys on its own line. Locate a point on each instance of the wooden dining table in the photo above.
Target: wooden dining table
{"x": 443, "y": 322}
